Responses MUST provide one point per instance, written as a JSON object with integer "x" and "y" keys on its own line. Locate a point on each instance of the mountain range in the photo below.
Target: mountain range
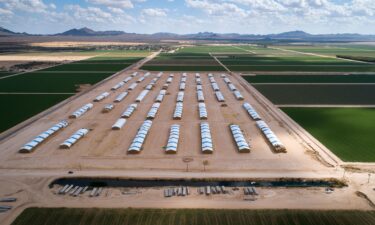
{"x": 122, "y": 36}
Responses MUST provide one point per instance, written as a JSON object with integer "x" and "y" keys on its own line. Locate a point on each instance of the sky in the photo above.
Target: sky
{"x": 190, "y": 16}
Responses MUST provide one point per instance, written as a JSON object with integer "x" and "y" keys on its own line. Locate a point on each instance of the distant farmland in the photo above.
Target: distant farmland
{"x": 271, "y": 59}
{"x": 347, "y": 132}
{"x": 195, "y": 58}
{"x": 183, "y": 62}
{"x": 64, "y": 216}
{"x": 319, "y": 94}
{"x": 310, "y": 79}
{"x": 353, "y": 50}
{"x": 33, "y": 92}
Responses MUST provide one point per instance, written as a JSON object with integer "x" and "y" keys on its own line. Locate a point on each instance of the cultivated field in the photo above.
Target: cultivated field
{"x": 59, "y": 82}
{"x": 192, "y": 58}
{"x": 275, "y": 59}
{"x": 318, "y": 94}
{"x": 280, "y": 79}
{"x": 333, "y": 50}
{"x": 345, "y": 131}
{"x": 63, "y": 216}
{"x": 250, "y": 58}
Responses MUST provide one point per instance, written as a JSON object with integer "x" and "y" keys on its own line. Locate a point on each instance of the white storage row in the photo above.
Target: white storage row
{"x": 206, "y": 140}
{"x": 238, "y": 95}
{"x": 154, "y": 109}
{"x": 140, "y": 79}
{"x": 215, "y": 87}
{"x": 182, "y": 86}
{"x": 239, "y": 138}
{"x": 140, "y": 137}
{"x": 81, "y": 110}
{"x": 132, "y": 86}
{"x": 232, "y": 87}
{"x": 202, "y": 111}
{"x": 142, "y": 95}
{"x": 173, "y": 139}
{"x": 118, "y": 85}
{"x": 129, "y": 111}
{"x": 169, "y": 80}
{"x": 30, "y": 146}
{"x": 180, "y": 96}
{"x": 251, "y": 111}
{"x": 101, "y": 96}
{"x": 119, "y": 124}
{"x": 271, "y": 137}
{"x": 107, "y": 108}
{"x": 160, "y": 96}
{"x": 74, "y": 138}
{"x": 200, "y": 96}
{"x": 121, "y": 96}
{"x": 126, "y": 80}
{"x": 149, "y": 87}
{"x": 219, "y": 96}
{"x": 177, "y": 115}
{"x": 134, "y": 74}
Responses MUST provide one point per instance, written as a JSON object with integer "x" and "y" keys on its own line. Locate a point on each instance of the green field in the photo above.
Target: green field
{"x": 260, "y": 59}
{"x": 246, "y": 58}
{"x": 183, "y": 62}
{"x": 53, "y": 81}
{"x": 318, "y": 94}
{"x": 50, "y": 82}
{"x": 93, "y": 216}
{"x": 347, "y": 132}
{"x": 310, "y": 79}
{"x": 18, "y": 108}
{"x": 195, "y": 58}
{"x": 333, "y": 50}
{"x": 294, "y": 63}
{"x": 3, "y": 74}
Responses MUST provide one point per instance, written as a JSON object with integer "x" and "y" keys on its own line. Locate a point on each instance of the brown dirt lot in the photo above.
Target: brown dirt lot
{"x": 104, "y": 148}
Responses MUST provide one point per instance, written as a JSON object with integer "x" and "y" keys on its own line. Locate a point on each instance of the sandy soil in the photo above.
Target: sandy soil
{"x": 81, "y": 43}
{"x": 107, "y": 149}
{"x": 44, "y": 58}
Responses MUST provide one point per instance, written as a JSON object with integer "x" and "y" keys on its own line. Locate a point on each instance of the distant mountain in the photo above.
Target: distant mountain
{"x": 89, "y": 32}
{"x": 291, "y": 34}
{"x": 5, "y": 32}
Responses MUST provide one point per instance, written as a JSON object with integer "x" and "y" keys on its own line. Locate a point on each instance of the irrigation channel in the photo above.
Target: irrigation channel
{"x": 139, "y": 183}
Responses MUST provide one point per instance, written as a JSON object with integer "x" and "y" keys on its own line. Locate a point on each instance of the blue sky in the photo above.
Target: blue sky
{"x": 190, "y": 16}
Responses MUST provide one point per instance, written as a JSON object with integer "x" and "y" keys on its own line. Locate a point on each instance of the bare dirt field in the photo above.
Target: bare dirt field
{"x": 63, "y": 44}
{"x": 107, "y": 149}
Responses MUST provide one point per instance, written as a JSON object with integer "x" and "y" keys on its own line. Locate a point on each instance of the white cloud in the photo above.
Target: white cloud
{"x": 115, "y": 10}
{"x": 32, "y": 6}
{"x": 92, "y": 15}
{"x": 113, "y": 3}
{"x": 154, "y": 12}
{"x": 217, "y": 8}
{"x": 5, "y": 12}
